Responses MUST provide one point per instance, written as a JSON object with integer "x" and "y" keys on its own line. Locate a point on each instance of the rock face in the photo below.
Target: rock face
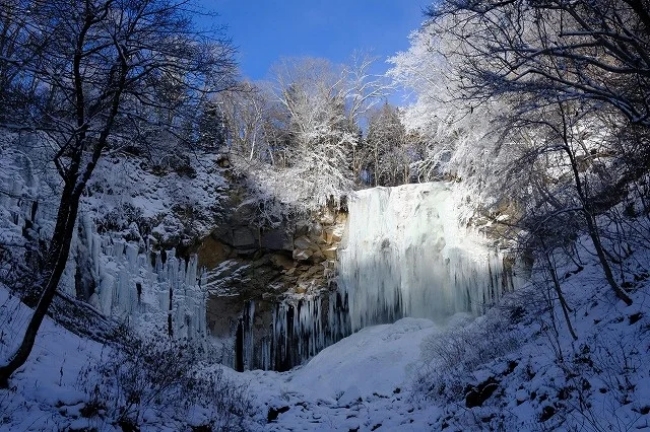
{"x": 290, "y": 261}
{"x": 306, "y": 242}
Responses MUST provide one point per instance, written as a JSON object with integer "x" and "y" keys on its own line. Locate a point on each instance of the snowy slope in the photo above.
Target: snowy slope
{"x": 389, "y": 377}
{"x": 514, "y": 369}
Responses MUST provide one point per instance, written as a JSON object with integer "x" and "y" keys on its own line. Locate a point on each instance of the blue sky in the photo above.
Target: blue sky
{"x": 266, "y": 30}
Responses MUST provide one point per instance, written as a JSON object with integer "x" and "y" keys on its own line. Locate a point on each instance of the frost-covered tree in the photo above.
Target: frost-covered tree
{"x": 450, "y": 134}
{"x": 582, "y": 50}
{"x": 312, "y": 128}
{"x": 386, "y": 156}
{"x": 248, "y": 113}
{"x": 100, "y": 68}
{"x": 507, "y": 92}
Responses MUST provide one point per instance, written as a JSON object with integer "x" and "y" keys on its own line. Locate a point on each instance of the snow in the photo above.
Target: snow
{"x": 414, "y": 374}
{"x": 391, "y": 348}
{"x": 378, "y": 377}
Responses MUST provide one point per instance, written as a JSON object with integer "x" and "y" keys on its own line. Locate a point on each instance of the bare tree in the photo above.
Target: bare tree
{"x": 102, "y": 68}
{"x": 248, "y": 112}
{"x": 579, "y": 50}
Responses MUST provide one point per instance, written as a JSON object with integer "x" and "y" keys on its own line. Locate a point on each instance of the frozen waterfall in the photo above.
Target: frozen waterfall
{"x": 405, "y": 254}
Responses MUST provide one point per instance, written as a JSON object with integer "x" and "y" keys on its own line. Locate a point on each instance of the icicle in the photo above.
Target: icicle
{"x": 406, "y": 255}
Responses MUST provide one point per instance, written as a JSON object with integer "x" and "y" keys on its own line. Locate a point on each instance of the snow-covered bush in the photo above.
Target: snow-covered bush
{"x": 141, "y": 381}
{"x": 449, "y": 357}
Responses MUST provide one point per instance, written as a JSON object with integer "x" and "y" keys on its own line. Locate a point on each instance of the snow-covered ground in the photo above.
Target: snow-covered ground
{"x": 515, "y": 369}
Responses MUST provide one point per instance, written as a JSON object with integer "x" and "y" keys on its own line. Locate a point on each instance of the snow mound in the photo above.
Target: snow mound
{"x": 377, "y": 359}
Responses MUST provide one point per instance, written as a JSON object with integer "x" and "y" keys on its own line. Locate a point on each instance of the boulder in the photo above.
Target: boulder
{"x": 277, "y": 240}
{"x": 244, "y": 238}
{"x": 302, "y": 254}
{"x": 303, "y": 242}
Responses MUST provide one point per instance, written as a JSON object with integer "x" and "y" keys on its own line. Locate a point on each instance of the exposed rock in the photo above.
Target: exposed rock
{"x": 316, "y": 230}
{"x": 302, "y": 228}
{"x": 223, "y": 161}
{"x": 303, "y": 242}
{"x": 222, "y": 322}
{"x": 330, "y": 253}
{"x": 475, "y": 396}
{"x": 244, "y": 238}
{"x": 274, "y": 413}
{"x": 302, "y": 255}
{"x": 277, "y": 240}
{"x": 262, "y": 261}
{"x": 212, "y": 252}
{"x": 243, "y": 214}
{"x": 282, "y": 261}
{"x": 327, "y": 235}
{"x": 313, "y": 271}
{"x": 318, "y": 256}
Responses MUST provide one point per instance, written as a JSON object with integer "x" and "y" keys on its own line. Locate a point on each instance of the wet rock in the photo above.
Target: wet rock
{"x": 274, "y": 413}
{"x": 475, "y": 396}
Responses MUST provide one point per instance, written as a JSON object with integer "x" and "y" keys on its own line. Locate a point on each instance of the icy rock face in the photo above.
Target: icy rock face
{"x": 298, "y": 330}
{"x": 405, "y": 254}
{"x": 144, "y": 289}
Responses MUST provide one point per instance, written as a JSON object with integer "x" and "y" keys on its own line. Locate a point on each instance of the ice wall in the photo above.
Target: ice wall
{"x": 144, "y": 289}
{"x": 125, "y": 280}
{"x": 405, "y": 254}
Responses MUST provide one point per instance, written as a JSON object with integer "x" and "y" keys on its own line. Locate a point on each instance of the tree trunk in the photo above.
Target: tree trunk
{"x": 592, "y": 226}
{"x": 558, "y": 290}
{"x": 50, "y": 277}
{"x": 609, "y": 275}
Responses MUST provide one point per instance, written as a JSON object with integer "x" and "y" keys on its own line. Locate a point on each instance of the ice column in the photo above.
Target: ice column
{"x": 143, "y": 289}
{"x": 405, "y": 254}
